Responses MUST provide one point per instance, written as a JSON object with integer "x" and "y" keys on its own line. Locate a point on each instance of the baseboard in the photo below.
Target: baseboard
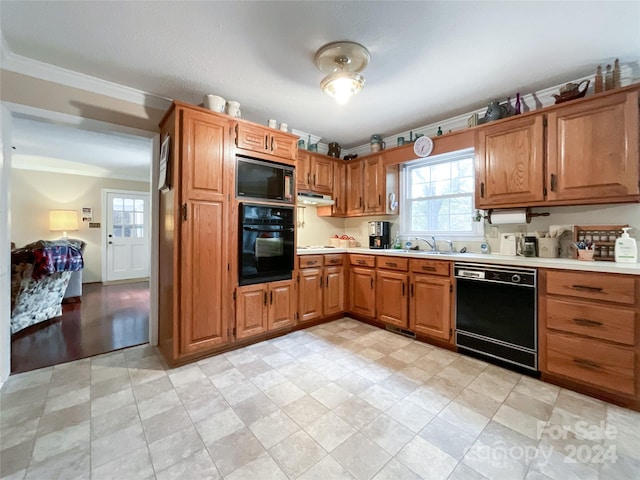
{"x": 127, "y": 280}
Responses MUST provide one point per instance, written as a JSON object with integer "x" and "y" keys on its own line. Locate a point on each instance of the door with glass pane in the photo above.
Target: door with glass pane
{"x": 127, "y": 230}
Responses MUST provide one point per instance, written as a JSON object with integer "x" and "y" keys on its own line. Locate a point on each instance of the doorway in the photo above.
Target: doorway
{"x": 126, "y": 249}
{"x": 150, "y": 202}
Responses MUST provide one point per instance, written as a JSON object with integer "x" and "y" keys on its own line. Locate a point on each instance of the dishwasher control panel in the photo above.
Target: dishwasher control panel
{"x": 498, "y": 274}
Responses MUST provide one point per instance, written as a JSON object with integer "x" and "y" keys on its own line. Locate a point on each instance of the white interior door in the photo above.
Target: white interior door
{"x": 127, "y": 233}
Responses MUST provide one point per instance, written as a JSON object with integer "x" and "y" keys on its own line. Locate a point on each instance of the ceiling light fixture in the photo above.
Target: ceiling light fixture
{"x": 343, "y": 61}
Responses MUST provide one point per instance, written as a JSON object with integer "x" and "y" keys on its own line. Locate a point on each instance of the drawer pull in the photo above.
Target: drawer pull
{"x": 586, "y": 288}
{"x": 585, "y": 322}
{"x": 361, "y": 262}
{"x": 311, "y": 262}
{"x": 428, "y": 269}
{"x": 334, "y": 261}
{"x": 586, "y": 364}
{"x": 391, "y": 264}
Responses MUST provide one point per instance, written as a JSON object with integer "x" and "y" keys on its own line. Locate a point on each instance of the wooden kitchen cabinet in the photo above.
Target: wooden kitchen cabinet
{"x": 362, "y": 280}
{"x": 374, "y": 184}
{"x": 510, "y": 163}
{"x": 339, "y": 208}
{"x": 321, "y": 286}
{"x": 264, "y": 307}
{"x": 589, "y": 333}
{"x": 194, "y": 311}
{"x": 314, "y": 172}
{"x": 355, "y": 203}
{"x": 255, "y": 138}
{"x": 593, "y": 150}
{"x": 392, "y": 294}
{"x": 430, "y": 304}
{"x": 580, "y": 152}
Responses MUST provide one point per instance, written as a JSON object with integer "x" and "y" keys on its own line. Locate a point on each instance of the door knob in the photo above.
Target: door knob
{"x": 110, "y": 242}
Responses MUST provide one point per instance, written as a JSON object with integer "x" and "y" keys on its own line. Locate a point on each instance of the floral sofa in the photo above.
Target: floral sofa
{"x": 40, "y": 274}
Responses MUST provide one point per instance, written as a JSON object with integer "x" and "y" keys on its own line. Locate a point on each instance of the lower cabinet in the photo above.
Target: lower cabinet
{"x": 430, "y": 302}
{"x": 589, "y": 331}
{"x": 362, "y": 280}
{"x": 321, "y": 286}
{"x": 264, "y": 307}
{"x": 392, "y": 291}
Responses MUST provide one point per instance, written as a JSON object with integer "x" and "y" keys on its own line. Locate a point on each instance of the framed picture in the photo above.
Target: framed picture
{"x": 163, "y": 174}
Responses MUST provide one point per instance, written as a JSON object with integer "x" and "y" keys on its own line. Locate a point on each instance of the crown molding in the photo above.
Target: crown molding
{"x": 45, "y": 71}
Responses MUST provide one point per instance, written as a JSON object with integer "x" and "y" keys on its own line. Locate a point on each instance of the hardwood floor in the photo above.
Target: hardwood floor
{"x": 109, "y": 318}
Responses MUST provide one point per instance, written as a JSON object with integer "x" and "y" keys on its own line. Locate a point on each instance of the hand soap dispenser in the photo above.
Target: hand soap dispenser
{"x": 626, "y": 248}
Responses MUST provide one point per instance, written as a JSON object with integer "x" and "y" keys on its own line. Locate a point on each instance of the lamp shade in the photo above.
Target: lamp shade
{"x": 63, "y": 220}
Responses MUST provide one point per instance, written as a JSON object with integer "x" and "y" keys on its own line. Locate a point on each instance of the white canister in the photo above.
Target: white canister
{"x": 215, "y": 103}
{"x": 233, "y": 109}
{"x": 548, "y": 247}
{"x": 272, "y": 123}
{"x": 284, "y": 127}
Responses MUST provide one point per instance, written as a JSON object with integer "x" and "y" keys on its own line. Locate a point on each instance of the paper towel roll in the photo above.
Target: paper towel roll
{"x": 505, "y": 217}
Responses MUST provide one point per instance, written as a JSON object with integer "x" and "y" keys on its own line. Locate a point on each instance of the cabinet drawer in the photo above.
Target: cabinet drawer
{"x": 592, "y": 286}
{"x": 589, "y": 361}
{"x": 602, "y": 322}
{"x": 433, "y": 267}
{"x": 394, "y": 263}
{"x": 362, "y": 260}
{"x": 306, "y": 261}
{"x": 333, "y": 259}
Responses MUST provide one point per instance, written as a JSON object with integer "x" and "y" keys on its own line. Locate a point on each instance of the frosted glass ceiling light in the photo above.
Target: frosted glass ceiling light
{"x": 343, "y": 61}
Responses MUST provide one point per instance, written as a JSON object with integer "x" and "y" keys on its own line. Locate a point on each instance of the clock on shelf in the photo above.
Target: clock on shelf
{"x": 423, "y": 146}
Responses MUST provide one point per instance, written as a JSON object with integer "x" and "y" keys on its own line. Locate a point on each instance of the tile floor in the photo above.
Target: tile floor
{"x": 342, "y": 400}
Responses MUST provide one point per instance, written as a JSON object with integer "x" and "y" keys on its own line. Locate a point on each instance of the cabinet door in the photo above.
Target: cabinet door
{"x": 321, "y": 175}
{"x": 204, "y": 148}
{"x": 391, "y": 298}
{"x": 374, "y": 184}
{"x": 333, "y": 290}
{"x": 354, "y": 188}
{"x": 430, "y": 306}
{"x": 339, "y": 189}
{"x": 281, "y": 304}
{"x": 593, "y": 150}
{"x": 252, "y": 137}
{"x": 203, "y": 322}
{"x": 510, "y": 162}
{"x": 303, "y": 171}
{"x": 283, "y": 145}
{"x": 310, "y": 291}
{"x": 361, "y": 292}
{"x": 251, "y": 310}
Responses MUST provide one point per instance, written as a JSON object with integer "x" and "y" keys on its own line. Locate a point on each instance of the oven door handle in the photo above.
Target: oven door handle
{"x": 254, "y": 229}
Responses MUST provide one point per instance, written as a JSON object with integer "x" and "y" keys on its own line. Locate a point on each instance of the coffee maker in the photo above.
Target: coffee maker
{"x": 379, "y": 235}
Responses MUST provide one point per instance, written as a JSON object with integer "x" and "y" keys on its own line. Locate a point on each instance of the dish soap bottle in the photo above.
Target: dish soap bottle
{"x": 626, "y": 248}
{"x": 484, "y": 246}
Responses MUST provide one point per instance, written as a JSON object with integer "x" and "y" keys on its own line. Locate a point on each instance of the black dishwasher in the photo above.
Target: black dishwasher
{"x": 496, "y": 313}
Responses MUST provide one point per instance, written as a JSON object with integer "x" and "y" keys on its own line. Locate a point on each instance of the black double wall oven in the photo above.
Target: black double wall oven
{"x": 266, "y": 231}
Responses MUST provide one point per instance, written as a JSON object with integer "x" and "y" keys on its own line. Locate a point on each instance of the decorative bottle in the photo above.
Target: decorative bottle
{"x": 439, "y": 132}
{"x": 518, "y": 107}
{"x": 608, "y": 79}
{"x": 598, "y": 80}
{"x": 616, "y": 74}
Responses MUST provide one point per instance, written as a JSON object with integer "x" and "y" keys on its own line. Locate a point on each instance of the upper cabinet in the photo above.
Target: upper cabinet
{"x": 256, "y": 138}
{"x": 580, "y": 152}
{"x": 314, "y": 172}
{"x": 509, "y": 163}
{"x": 593, "y": 150}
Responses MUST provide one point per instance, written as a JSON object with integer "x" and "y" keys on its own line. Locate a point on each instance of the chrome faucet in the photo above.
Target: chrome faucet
{"x": 450, "y": 246}
{"x": 431, "y": 244}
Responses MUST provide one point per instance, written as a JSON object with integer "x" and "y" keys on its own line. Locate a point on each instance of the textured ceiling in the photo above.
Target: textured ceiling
{"x": 429, "y": 60}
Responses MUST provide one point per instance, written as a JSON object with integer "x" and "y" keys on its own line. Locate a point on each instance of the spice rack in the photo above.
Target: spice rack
{"x": 602, "y": 236}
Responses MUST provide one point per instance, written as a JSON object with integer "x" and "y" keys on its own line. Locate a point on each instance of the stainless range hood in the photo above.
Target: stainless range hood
{"x": 314, "y": 199}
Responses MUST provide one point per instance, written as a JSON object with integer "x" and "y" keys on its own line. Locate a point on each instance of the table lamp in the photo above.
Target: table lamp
{"x": 63, "y": 221}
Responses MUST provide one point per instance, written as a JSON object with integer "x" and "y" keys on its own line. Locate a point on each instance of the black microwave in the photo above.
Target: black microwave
{"x": 263, "y": 180}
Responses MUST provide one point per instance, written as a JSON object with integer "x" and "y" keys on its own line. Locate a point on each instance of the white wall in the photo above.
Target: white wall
{"x": 616, "y": 214}
{"x": 5, "y": 246}
{"x": 316, "y": 230}
{"x": 34, "y": 193}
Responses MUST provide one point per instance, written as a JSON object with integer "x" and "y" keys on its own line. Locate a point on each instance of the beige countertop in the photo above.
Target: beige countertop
{"x": 517, "y": 261}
